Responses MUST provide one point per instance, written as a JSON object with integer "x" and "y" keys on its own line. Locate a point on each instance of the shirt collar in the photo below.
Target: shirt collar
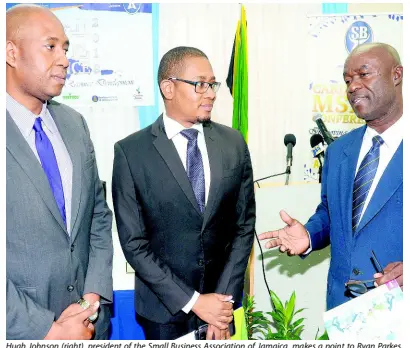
{"x": 24, "y": 118}
{"x": 392, "y": 136}
{"x": 172, "y": 127}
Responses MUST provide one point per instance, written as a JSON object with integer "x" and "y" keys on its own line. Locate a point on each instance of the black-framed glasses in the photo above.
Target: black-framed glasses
{"x": 359, "y": 287}
{"x": 200, "y": 86}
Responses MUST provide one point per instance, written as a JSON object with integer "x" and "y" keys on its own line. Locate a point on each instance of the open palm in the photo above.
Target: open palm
{"x": 293, "y": 238}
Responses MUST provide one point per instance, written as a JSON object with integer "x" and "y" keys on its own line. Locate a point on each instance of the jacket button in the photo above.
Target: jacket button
{"x": 200, "y": 262}
{"x": 356, "y": 271}
{"x": 70, "y": 288}
{"x": 72, "y": 247}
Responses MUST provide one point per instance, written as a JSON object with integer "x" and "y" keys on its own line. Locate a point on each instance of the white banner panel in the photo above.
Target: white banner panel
{"x": 110, "y": 54}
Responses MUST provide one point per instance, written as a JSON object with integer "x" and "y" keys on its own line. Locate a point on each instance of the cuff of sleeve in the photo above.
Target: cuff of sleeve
{"x": 187, "y": 308}
{"x": 309, "y": 250}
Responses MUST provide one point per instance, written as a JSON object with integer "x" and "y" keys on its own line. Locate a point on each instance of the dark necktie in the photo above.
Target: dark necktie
{"x": 364, "y": 179}
{"x": 195, "y": 167}
{"x": 49, "y": 162}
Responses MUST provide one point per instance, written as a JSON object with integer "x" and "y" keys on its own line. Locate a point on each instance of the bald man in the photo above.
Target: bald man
{"x": 361, "y": 212}
{"x": 59, "y": 244}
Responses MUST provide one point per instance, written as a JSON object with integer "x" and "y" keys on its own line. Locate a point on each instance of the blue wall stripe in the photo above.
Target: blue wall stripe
{"x": 329, "y": 8}
{"x": 148, "y": 114}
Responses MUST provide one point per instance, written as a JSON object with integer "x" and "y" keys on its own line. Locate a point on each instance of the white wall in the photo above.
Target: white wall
{"x": 284, "y": 274}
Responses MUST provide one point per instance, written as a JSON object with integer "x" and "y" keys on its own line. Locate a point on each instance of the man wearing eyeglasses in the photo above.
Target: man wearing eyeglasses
{"x": 185, "y": 207}
{"x": 361, "y": 210}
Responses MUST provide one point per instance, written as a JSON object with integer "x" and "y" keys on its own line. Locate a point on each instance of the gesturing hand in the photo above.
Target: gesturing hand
{"x": 293, "y": 238}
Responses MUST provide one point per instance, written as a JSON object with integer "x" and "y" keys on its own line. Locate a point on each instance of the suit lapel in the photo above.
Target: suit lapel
{"x": 390, "y": 181}
{"x": 21, "y": 151}
{"x": 169, "y": 154}
{"x": 75, "y": 150}
{"x": 347, "y": 174}
{"x": 215, "y": 163}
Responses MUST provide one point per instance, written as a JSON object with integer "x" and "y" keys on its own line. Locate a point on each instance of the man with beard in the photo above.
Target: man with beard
{"x": 185, "y": 207}
{"x": 361, "y": 207}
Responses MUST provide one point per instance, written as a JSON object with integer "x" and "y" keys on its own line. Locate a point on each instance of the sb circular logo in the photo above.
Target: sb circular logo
{"x": 132, "y": 7}
{"x": 94, "y": 98}
{"x": 358, "y": 33}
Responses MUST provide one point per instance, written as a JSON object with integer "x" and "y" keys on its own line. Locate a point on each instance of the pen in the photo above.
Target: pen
{"x": 380, "y": 268}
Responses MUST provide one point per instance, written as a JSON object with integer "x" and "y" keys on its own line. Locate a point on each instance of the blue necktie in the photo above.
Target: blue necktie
{"x": 364, "y": 179}
{"x": 49, "y": 162}
{"x": 195, "y": 167}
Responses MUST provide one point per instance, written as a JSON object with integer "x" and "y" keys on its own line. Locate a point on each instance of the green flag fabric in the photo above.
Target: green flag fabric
{"x": 237, "y": 80}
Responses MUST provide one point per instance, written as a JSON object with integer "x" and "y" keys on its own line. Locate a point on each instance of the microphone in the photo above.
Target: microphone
{"x": 318, "y": 151}
{"x": 326, "y": 134}
{"x": 317, "y": 144}
{"x": 290, "y": 142}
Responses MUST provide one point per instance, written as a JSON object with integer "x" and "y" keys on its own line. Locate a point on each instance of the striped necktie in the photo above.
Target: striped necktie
{"x": 195, "y": 167}
{"x": 364, "y": 179}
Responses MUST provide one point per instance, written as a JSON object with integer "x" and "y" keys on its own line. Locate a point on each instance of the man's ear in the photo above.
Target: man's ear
{"x": 398, "y": 75}
{"x": 167, "y": 89}
{"x": 11, "y": 53}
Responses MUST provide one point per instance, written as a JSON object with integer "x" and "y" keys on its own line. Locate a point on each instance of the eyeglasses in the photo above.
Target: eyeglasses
{"x": 200, "y": 86}
{"x": 358, "y": 287}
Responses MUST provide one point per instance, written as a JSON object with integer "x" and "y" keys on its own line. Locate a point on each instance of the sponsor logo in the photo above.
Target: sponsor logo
{"x": 71, "y": 97}
{"x": 138, "y": 95}
{"x": 76, "y": 67}
{"x": 358, "y": 33}
{"x": 95, "y": 98}
{"x": 132, "y": 7}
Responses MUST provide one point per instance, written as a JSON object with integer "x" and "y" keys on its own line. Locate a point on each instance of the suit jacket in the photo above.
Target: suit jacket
{"x": 381, "y": 226}
{"x": 48, "y": 269}
{"x": 173, "y": 248}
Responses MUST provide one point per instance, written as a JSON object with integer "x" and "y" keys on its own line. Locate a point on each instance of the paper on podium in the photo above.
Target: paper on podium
{"x": 376, "y": 315}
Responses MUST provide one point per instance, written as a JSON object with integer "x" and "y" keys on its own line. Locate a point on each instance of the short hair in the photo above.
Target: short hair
{"x": 172, "y": 63}
{"x": 389, "y": 49}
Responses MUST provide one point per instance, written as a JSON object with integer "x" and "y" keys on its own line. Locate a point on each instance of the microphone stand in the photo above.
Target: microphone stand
{"x": 320, "y": 170}
{"x": 271, "y": 176}
{"x": 287, "y": 175}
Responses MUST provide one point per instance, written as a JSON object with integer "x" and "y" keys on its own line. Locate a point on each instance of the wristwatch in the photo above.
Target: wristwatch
{"x": 85, "y": 304}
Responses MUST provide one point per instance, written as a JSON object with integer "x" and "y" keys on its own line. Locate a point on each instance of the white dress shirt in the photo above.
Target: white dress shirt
{"x": 392, "y": 137}
{"x": 173, "y": 130}
{"x": 24, "y": 119}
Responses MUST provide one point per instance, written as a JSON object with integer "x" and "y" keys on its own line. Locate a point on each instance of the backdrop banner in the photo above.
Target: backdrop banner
{"x": 110, "y": 54}
{"x": 331, "y": 38}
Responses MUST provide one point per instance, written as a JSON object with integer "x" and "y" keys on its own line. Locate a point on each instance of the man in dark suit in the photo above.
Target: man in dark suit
{"x": 362, "y": 184}
{"x": 184, "y": 205}
{"x": 58, "y": 238}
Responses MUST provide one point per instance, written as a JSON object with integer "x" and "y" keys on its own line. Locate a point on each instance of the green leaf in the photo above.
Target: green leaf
{"x": 275, "y": 336}
{"x": 324, "y": 336}
{"x": 258, "y": 314}
{"x": 296, "y": 323}
{"x": 298, "y": 311}
{"x": 276, "y": 302}
{"x": 277, "y": 318}
{"x": 298, "y": 330}
{"x": 294, "y": 337}
{"x": 290, "y": 307}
